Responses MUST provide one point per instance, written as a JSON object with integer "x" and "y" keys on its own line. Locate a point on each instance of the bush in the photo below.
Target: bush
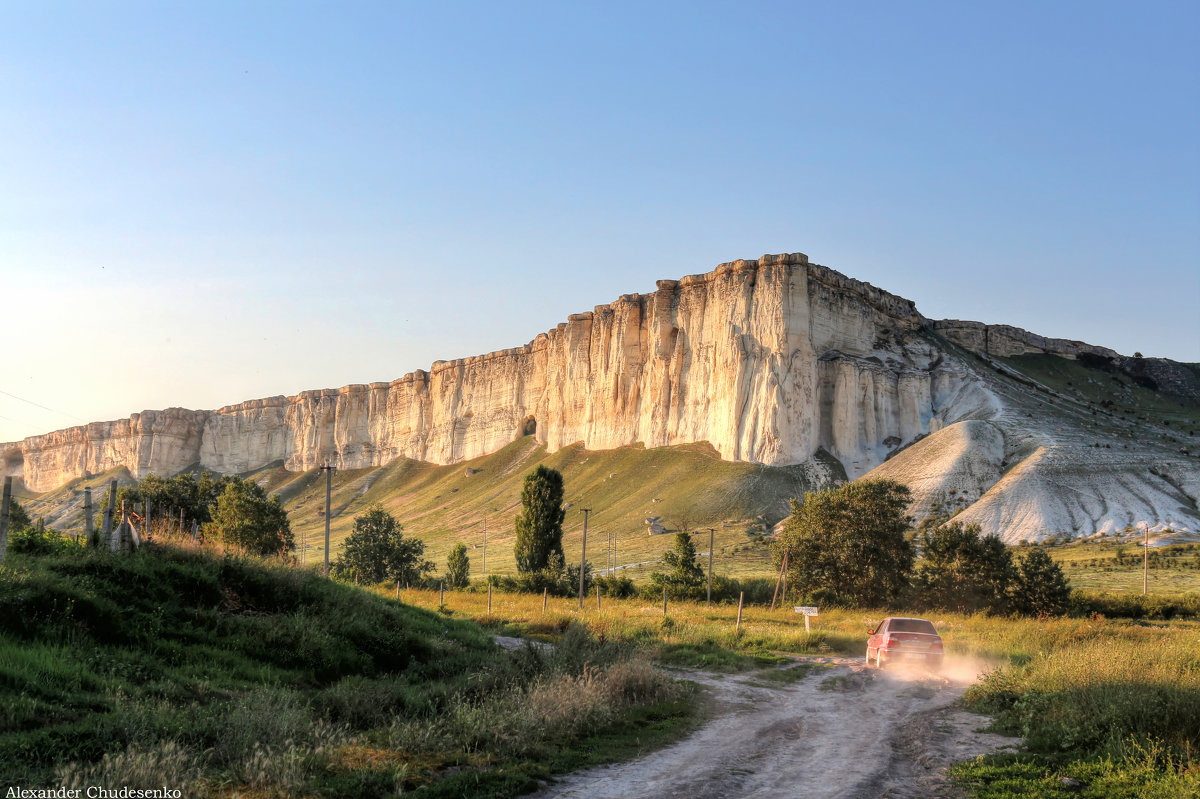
{"x": 616, "y": 587}
{"x": 556, "y": 579}
{"x": 685, "y": 580}
{"x": 28, "y": 541}
{"x": 1134, "y": 606}
{"x": 1040, "y": 588}
{"x": 458, "y": 567}
{"x": 962, "y": 571}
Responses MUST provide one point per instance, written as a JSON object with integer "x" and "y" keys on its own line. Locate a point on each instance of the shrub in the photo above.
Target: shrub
{"x": 685, "y": 580}
{"x": 963, "y": 571}
{"x": 1040, "y": 588}
{"x": 458, "y": 567}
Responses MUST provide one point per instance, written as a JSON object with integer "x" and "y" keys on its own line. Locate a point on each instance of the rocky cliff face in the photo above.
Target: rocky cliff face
{"x": 775, "y": 361}
{"x": 769, "y": 360}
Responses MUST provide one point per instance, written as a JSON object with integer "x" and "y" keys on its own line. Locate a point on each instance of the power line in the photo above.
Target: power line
{"x": 39, "y": 405}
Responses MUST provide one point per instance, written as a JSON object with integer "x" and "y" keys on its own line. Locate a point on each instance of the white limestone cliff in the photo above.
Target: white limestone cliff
{"x": 768, "y": 360}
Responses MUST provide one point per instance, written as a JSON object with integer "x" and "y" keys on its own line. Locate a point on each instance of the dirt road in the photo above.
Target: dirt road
{"x": 842, "y": 732}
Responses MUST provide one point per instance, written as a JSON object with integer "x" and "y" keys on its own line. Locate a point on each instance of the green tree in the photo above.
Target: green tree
{"x": 194, "y": 496}
{"x": 1040, "y": 588}
{"x": 378, "y": 550}
{"x": 963, "y": 571}
{"x": 539, "y": 526}
{"x": 458, "y": 567}
{"x": 847, "y": 545}
{"x": 18, "y": 519}
{"x": 686, "y": 577}
{"x": 244, "y": 516}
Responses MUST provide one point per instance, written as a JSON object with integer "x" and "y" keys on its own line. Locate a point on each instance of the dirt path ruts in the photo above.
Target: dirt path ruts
{"x": 843, "y": 732}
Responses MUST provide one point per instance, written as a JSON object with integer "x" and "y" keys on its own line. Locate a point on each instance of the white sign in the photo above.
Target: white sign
{"x": 806, "y": 611}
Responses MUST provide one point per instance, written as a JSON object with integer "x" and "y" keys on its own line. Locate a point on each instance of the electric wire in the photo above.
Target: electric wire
{"x": 40, "y": 405}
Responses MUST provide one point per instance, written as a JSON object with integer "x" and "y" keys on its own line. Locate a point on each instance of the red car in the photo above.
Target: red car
{"x": 898, "y": 639}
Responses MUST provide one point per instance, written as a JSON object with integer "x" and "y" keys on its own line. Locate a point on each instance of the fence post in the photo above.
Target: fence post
{"x": 489, "y": 598}
{"x": 597, "y": 596}
{"x": 89, "y": 528}
{"x": 741, "y": 598}
{"x": 5, "y": 505}
{"x": 441, "y": 594}
{"x": 397, "y": 589}
{"x": 544, "y": 590}
{"x": 664, "y": 600}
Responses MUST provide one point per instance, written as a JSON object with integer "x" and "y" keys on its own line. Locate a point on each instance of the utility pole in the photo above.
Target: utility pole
{"x": 329, "y": 470}
{"x": 106, "y": 536}
{"x": 711, "y": 531}
{"x": 5, "y": 504}
{"x": 1145, "y": 558}
{"x": 87, "y": 516}
{"x": 583, "y": 555}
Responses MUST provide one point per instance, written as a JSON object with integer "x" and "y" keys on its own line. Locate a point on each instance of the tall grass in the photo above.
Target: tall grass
{"x": 224, "y": 674}
{"x": 1112, "y": 702}
{"x": 1097, "y": 695}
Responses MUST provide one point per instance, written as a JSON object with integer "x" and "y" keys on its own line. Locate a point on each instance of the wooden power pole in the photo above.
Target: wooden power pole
{"x": 329, "y": 470}
{"x": 1145, "y": 558}
{"x": 5, "y": 505}
{"x": 711, "y": 532}
{"x": 583, "y": 555}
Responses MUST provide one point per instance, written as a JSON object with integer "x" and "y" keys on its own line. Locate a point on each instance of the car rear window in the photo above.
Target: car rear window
{"x": 911, "y": 626}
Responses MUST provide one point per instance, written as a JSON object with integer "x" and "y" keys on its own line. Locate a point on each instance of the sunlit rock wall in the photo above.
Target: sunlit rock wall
{"x": 768, "y": 360}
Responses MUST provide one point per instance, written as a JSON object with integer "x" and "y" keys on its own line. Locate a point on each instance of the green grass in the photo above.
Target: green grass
{"x": 687, "y": 486}
{"x": 1120, "y": 717}
{"x": 1115, "y": 395}
{"x": 1111, "y": 702}
{"x": 221, "y": 675}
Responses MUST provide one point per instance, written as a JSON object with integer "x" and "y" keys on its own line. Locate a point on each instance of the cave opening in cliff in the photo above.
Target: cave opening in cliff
{"x": 529, "y": 426}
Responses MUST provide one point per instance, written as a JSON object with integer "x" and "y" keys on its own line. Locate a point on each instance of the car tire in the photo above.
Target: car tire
{"x": 868, "y": 659}
{"x": 878, "y": 659}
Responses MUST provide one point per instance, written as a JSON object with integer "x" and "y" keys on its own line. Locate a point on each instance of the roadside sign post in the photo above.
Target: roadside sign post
{"x": 808, "y": 613}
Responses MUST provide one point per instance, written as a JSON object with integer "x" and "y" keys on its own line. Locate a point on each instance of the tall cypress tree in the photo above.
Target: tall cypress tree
{"x": 539, "y": 526}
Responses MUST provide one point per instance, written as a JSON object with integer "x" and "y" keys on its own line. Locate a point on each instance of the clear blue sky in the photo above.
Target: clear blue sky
{"x": 202, "y": 203}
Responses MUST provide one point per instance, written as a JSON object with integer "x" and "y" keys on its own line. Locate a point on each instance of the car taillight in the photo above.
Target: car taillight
{"x": 889, "y": 641}
{"x": 936, "y": 646}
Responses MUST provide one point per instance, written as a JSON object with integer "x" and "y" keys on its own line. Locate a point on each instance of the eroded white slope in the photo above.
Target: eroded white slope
{"x": 951, "y": 468}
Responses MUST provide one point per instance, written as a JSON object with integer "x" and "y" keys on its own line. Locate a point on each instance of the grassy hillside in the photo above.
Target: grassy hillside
{"x": 222, "y": 676}
{"x": 1115, "y": 403}
{"x": 687, "y": 486}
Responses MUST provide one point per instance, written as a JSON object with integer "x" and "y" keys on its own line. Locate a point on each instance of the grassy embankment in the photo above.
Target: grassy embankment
{"x": 225, "y": 676}
{"x": 1112, "y": 703}
{"x": 443, "y": 505}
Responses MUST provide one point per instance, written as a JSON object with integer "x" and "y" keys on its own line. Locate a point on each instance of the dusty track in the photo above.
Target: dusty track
{"x": 843, "y": 732}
